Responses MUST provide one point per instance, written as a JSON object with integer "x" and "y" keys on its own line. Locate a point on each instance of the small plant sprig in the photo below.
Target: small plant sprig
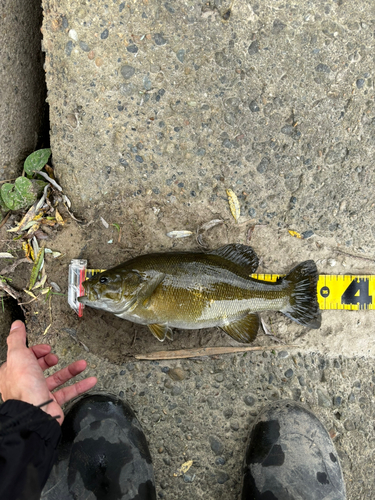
{"x": 26, "y": 189}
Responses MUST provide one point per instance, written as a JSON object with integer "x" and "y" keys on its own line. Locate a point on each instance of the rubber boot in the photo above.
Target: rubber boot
{"x": 103, "y": 454}
{"x": 290, "y": 456}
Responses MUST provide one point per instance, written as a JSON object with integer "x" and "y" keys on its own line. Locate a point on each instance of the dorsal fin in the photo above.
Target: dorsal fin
{"x": 241, "y": 255}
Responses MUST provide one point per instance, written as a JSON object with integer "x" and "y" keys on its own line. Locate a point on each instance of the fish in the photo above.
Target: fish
{"x": 191, "y": 290}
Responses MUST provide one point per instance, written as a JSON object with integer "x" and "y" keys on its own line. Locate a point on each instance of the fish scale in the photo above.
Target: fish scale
{"x": 196, "y": 290}
{"x": 207, "y": 301}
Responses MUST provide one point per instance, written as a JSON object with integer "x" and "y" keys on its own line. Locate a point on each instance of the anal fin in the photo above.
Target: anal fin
{"x": 243, "y": 330}
{"x": 161, "y": 331}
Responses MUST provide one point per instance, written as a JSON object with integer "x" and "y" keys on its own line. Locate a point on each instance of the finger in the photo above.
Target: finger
{"x": 17, "y": 336}
{"x": 67, "y": 393}
{"x": 48, "y": 361}
{"x": 40, "y": 350}
{"x": 62, "y": 376}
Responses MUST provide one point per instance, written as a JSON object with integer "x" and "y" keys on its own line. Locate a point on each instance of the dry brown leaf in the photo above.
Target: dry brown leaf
{"x": 234, "y": 204}
{"x": 33, "y": 229}
{"x": 48, "y": 327}
{"x": 184, "y": 468}
{"x": 30, "y": 293}
{"x": 27, "y": 249}
{"x": 6, "y": 255}
{"x": 179, "y": 234}
{"x": 49, "y": 171}
{"x": 29, "y": 216}
{"x": 59, "y": 219}
{"x": 209, "y": 225}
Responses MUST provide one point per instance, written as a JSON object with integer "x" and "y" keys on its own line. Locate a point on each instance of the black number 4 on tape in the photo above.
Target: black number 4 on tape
{"x": 357, "y": 293}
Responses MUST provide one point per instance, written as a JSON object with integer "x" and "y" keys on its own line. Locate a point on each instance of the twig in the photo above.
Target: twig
{"x": 72, "y": 216}
{"x": 5, "y": 219}
{"x": 249, "y": 234}
{"x": 7, "y": 180}
{"x": 26, "y": 303}
{"x": 84, "y": 346}
{"x": 12, "y": 267}
{"x": 203, "y": 229}
{"x": 250, "y": 221}
{"x": 134, "y": 337}
{"x": 51, "y": 181}
{"x": 40, "y": 203}
{"x": 205, "y": 351}
{"x": 267, "y": 332}
{"x": 354, "y": 256}
{"x": 13, "y": 293}
{"x": 50, "y": 312}
{"x": 9, "y": 290}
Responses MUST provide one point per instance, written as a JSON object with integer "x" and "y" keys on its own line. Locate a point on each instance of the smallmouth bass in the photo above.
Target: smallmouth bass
{"x": 203, "y": 290}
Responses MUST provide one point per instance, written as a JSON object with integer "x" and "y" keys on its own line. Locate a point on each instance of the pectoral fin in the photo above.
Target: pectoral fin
{"x": 148, "y": 287}
{"x": 129, "y": 306}
{"x": 144, "y": 294}
{"x": 161, "y": 331}
{"x": 244, "y": 330}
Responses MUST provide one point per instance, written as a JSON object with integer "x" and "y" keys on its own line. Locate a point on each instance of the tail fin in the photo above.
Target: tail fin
{"x": 303, "y": 304}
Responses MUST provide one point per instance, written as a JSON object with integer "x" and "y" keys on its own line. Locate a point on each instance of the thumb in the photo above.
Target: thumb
{"x": 17, "y": 336}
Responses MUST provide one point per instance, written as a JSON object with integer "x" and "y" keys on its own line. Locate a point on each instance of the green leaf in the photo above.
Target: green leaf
{"x": 3, "y": 207}
{"x": 36, "y": 161}
{"x": 18, "y": 195}
{"x": 36, "y": 268}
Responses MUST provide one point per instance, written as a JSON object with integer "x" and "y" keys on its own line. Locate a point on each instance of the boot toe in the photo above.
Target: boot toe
{"x": 290, "y": 456}
{"x": 103, "y": 454}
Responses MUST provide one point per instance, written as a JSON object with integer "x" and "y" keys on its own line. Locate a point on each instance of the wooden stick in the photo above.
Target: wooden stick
{"x": 205, "y": 351}
{"x": 12, "y": 267}
{"x": 371, "y": 259}
{"x": 7, "y": 180}
{"x": 9, "y": 290}
{"x": 5, "y": 219}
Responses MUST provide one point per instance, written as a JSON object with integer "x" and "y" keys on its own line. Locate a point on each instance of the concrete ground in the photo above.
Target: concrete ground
{"x": 156, "y": 109}
{"x": 22, "y": 84}
{"x": 202, "y": 410}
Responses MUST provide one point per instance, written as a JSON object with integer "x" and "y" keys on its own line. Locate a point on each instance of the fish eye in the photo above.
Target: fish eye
{"x": 103, "y": 279}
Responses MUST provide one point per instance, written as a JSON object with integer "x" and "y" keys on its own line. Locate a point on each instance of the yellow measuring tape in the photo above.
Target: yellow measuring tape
{"x": 89, "y": 273}
{"x": 334, "y": 291}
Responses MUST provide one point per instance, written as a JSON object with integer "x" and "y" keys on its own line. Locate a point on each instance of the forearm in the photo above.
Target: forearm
{"x": 28, "y": 443}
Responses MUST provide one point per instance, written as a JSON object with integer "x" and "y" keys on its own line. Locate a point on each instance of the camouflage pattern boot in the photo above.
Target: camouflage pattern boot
{"x": 103, "y": 454}
{"x": 290, "y": 456}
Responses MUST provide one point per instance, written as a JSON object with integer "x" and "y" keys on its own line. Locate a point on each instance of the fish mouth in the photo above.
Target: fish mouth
{"x": 90, "y": 296}
{"x": 83, "y": 299}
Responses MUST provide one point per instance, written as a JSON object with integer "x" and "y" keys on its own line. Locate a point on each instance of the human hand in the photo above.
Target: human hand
{"x": 22, "y": 378}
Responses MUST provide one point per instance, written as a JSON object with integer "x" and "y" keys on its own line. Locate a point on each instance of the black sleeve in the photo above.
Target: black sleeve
{"x": 28, "y": 442}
